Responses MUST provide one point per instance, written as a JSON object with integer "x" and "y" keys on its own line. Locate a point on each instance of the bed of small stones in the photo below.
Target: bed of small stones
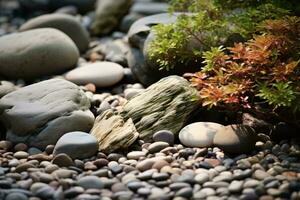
{"x": 164, "y": 169}
{"x": 152, "y": 171}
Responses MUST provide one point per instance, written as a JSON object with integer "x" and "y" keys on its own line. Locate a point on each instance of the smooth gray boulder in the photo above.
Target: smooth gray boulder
{"x": 39, "y": 114}
{"x": 76, "y": 144}
{"x": 36, "y": 53}
{"x": 108, "y": 15}
{"x": 167, "y": 104}
{"x": 63, "y": 22}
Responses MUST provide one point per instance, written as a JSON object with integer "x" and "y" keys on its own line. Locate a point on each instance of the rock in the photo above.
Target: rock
{"x": 36, "y": 53}
{"x": 16, "y": 196}
{"x": 6, "y": 87}
{"x": 62, "y": 160}
{"x": 23, "y": 167}
{"x": 150, "y": 65}
{"x": 199, "y": 134}
{"x": 131, "y": 92}
{"x": 236, "y": 186}
{"x": 90, "y": 182}
{"x": 108, "y": 14}
{"x": 135, "y": 155}
{"x": 21, "y": 154}
{"x": 65, "y": 23}
{"x": 166, "y": 104}
{"x": 69, "y": 10}
{"x": 149, "y": 8}
{"x": 114, "y": 50}
{"x": 39, "y": 114}
{"x": 236, "y": 139}
{"x": 140, "y": 29}
{"x": 113, "y": 132}
{"x": 102, "y": 74}
{"x": 77, "y": 145}
{"x": 157, "y": 146}
{"x": 164, "y": 136}
{"x": 202, "y": 178}
{"x": 83, "y": 6}
{"x": 260, "y": 126}
{"x": 260, "y": 175}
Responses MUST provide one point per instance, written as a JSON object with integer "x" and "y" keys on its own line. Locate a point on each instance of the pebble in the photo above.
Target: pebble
{"x": 164, "y": 136}
{"x": 135, "y": 155}
{"x": 21, "y": 155}
{"x": 115, "y": 167}
{"x": 62, "y": 160}
{"x": 202, "y": 178}
{"x": 235, "y": 186}
{"x": 90, "y": 182}
{"x": 260, "y": 175}
{"x": 16, "y": 196}
{"x": 157, "y": 146}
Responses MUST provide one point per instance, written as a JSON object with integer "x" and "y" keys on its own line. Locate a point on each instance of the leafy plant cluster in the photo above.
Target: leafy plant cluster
{"x": 211, "y": 24}
{"x": 261, "y": 73}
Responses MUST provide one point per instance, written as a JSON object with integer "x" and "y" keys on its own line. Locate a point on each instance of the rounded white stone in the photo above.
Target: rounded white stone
{"x": 199, "y": 134}
{"x": 102, "y": 74}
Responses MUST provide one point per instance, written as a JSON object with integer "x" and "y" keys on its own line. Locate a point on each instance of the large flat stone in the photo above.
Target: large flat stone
{"x": 39, "y": 114}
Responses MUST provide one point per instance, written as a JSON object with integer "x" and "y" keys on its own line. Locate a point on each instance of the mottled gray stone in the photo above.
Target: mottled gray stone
{"x": 166, "y": 104}
{"x": 39, "y": 114}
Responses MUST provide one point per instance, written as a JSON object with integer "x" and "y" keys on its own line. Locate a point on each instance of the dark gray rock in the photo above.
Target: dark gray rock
{"x": 236, "y": 139}
{"x": 108, "y": 14}
{"x": 65, "y": 23}
{"x": 140, "y": 29}
{"x": 41, "y": 113}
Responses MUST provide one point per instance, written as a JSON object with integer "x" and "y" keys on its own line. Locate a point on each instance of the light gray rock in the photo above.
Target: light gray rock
{"x": 77, "y": 145}
{"x": 236, "y": 139}
{"x": 35, "y": 53}
{"x": 65, "y": 23}
{"x": 102, "y": 74}
{"x": 113, "y": 132}
{"x": 90, "y": 182}
{"x": 166, "y": 104}
{"x": 199, "y": 134}
{"x": 39, "y": 114}
{"x": 6, "y": 87}
{"x": 108, "y": 14}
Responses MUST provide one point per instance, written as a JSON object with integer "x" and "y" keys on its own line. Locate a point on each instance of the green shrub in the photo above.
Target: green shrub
{"x": 210, "y": 25}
